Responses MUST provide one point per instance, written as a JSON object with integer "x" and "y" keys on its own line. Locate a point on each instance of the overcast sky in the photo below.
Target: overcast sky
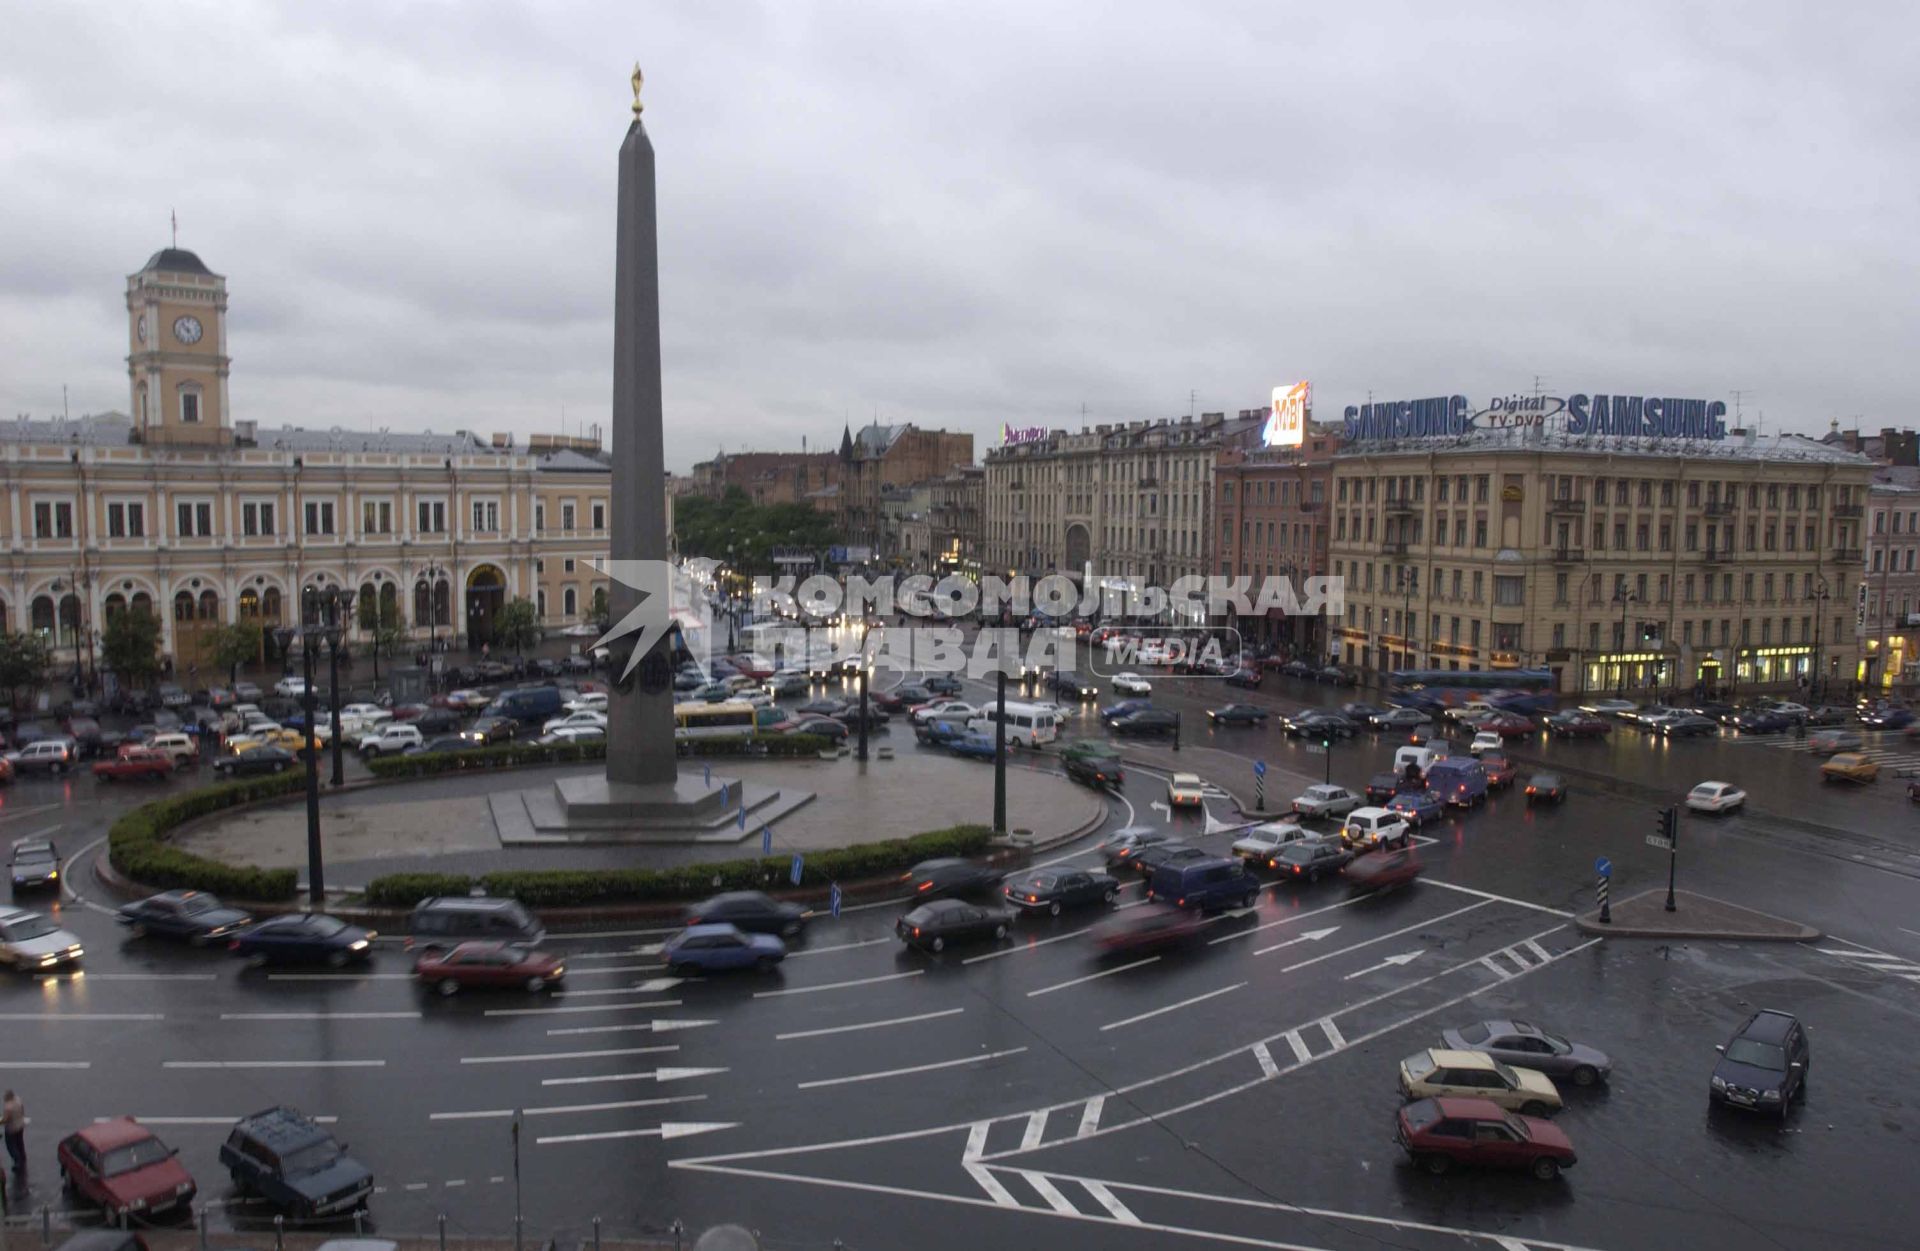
{"x": 968, "y": 214}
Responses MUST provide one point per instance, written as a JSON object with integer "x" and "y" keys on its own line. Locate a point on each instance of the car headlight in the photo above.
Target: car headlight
{"x": 52, "y": 957}
{"x": 1719, "y": 1082}
{"x": 184, "y": 1188}
{"x": 1766, "y": 1095}
{"x": 138, "y": 1205}
{"x": 358, "y": 944}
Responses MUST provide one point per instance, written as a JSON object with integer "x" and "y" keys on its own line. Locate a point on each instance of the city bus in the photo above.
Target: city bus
{"x": 1436, "y": 690}
{"x": 733, "y": 719}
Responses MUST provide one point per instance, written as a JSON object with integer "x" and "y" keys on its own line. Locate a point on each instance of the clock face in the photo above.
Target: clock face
{"x": 187, "y": 329}
{"x": 140, "y": 327}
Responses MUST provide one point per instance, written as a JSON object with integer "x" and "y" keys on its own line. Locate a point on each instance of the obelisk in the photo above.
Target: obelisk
{"x": 640, "y": 749}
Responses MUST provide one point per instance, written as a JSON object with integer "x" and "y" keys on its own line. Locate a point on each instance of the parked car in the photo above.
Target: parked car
{"x": 1764, "y": 1065}
{"x": 122, "y": 1168}
{"x": 1055, "y": 889}
{"x": 1325, "y": 801}
{"x": 1311, "y": 859}
{"x": 1262, "y": 843}
{"x": 303, "y": 938}
{"x": 1850, "y": 767}
{"x": 1237, "y": 714}
{"x": 719, "y": 948}
{"x": 949, "y": 875}
{"x": 1148, "y": 721}
{"x": 753, "y": 911}
{"x": 1438, "y": 1134}
{"x": 1186, "y": 790}
{"x": 1248, "y": 679}
{"x": 1827, "y": 714}
{"x": 1418, "y": 808}
{"x": 1521, "y": 1043}
{"x": 1382, "y": 870}
{"x": 824, "y": 727}
{"x": 34, "y": 864}
{"x": 246, "y": 692}
{"x": 1398, "y": 719}
{"x": 488, "y": 966}
{"x": 190, "y": 916}
{"x": 135, "y": 762}
{"x": 1334, "y": 675}
{"x": 1439, "y": 1073}
{"x": 291, "y": 1162}
{"x": 493, "y": 731}
{"x": 1716, "y": 797}
{"x": 946, "y": 710}
{"x": 256, "y": 760}
{"x": 936, "y": 925}
{"x": 289, "y": 687}
{"x": 1545, "y": 788}
{"x": 31, "y": 943}
{"x": 1131, "y": 684}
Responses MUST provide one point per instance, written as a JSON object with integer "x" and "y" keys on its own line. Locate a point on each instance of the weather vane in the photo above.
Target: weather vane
{"x": 637, "y": 80}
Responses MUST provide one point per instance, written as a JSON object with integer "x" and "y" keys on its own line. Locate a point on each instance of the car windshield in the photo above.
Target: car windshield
{"x": 1758, "y": 1054}
{"x": 326, "y": 926}
{"x": 32, "y": 855}
{"x": 1506, "y": 1073}
{"x": 27, "y": 928}
{"x": 1420, "y": 1065}
{"x": 1518, "y": 1126}
{"x": 198, "y": 904}
{"x": 1475, "y": 1034}
{"x": 311, "y": 1158}
{"x": 134, "y": 1155}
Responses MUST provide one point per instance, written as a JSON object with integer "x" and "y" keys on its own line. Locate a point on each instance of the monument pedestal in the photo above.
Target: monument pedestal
{"x": 590, "y": 809}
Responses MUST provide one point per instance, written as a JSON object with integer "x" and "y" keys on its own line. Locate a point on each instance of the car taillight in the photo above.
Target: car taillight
{"x": 924, "y": 886}
{"x": 1296, "y": 870}
{"x": 234, "y": 945}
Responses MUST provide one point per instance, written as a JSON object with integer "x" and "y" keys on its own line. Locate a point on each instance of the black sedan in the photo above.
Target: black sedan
{"x": 943, "y": 684}
{"x": 949, "y": 875}
{"x": 437, "y": 721}
{"x": 254, "y": 761}
{"x": 1146, "y": 721}
{"x": 303, "y": 938}
{"x": 1053, "y": 890}
{"x": 1545, "y": 788}
{"x": 191, "y": 916}
{"x": 824, "y": 708}
{"x": 1248, "y": 678}
{"x": 1689, "y": 727}
{"x": 1324, "y": 725}
{"x": 1237, "y": 714}
{"x": 1759, "y": 722}
{"x": 752, "y": 911}
{"x": 443, "y": 743}
{"x": 1147, "y": 859}
{"x": 934, "y": 925}
{"x": 823, "y": 726}
{"x": 34, "y": 865}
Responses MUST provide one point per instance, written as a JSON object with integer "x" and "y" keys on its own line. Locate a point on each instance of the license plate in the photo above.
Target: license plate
{"x": 1746, "y": 1100}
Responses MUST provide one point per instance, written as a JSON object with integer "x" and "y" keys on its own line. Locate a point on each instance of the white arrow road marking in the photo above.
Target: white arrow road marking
{"x": 656, "y": 1026}
{"x": 1165, "y": 810}
{"x": 1404, "y": 958}
{"x": 568, "y": 1055}
{"x": 670, "y": 1129}
{"x": 1311, "y": 936}
{"x": 665, "y": 1075}
{"x": 560, "y": 1110}
{"x": 1381, "y": 938}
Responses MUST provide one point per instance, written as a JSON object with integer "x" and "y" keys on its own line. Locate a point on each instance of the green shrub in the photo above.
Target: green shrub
{"x": 511, "y": 755}
{"x": 137, "y": 847}
{"x": 548, "y": 888}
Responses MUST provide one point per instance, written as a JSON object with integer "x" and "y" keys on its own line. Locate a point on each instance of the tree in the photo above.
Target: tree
{"x": 733, "y": 527}
{"x": 385, "y": 632}
{"x": 234, "y": 645}
{"x": 130, "y": 647}
{"x": 24, "y": 660}
{"x": 601, "y": 613}
{"x": 518, "y": 625}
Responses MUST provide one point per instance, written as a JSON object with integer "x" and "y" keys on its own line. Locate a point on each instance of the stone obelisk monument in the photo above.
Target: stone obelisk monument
{"x": 639, "y": 712}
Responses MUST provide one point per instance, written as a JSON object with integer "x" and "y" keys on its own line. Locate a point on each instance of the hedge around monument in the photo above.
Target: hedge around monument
{"x": 429, "y": 764}
{"x": 137, "y": 846}
{"x": 550, "y": 888}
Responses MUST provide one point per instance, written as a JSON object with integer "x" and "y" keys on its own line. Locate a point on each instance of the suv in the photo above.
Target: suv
{"x": 49, "y": 755}
{"x": 1367, "y": 828}
{"x": 292, "y": 1163}
{"x": 391, "y": 737}
{"x": 1764, "y": 1065}
{"x": 446, "y": 920}
{"x": 1207, "y": 883}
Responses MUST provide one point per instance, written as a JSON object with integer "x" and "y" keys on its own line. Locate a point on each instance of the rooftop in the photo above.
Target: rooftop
{"x": 175, "y": 261}
{"x": 1737, "y": 446}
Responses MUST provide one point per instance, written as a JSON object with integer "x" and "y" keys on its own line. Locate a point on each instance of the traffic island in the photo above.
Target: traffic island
{"x": 1694, "y": 916}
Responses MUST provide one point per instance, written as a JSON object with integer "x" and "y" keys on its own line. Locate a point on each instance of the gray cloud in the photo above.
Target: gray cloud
{"x": 963, "y": 215}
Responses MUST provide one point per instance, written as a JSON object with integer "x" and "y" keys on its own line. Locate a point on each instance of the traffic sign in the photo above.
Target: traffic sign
{"x": 1664, "y": 844}
{"x": 1259, "y": 768}
{"x": 766, "y": 834}
{"x": 833, "y": 899}
{"x": 1603, "y": 866}
{"x": 706, "y": 776}
{"x": 793, "y": 874}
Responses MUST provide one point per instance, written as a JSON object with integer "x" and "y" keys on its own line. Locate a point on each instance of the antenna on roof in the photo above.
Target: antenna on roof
{"x": 173, "y": 219}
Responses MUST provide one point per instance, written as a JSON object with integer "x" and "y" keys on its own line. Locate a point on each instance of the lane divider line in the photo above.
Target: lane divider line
{"x": 864, "y": 1025}
{"x": 1091, "y": 977}
{"x": 1172, "y": 1007}
{"x": 917, "y": 1068}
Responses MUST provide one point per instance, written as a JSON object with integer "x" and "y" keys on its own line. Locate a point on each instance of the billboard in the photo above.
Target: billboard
{"x": 1010, "y": 436}
{"x": 1287, "y": 426}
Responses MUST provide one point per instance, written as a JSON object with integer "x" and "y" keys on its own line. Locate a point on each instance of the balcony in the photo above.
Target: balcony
{"x": 1717, "y": 556}
{"x": 1400, "y": 506}
{"x": 1393, "y": 547}
{"x": 1848, "y": 510}
{"x": 1720, "y": 508}
{"x": 1849, "y": 556}
{"x": 1569, "y": 555}
{"x": 1566, "y": 505}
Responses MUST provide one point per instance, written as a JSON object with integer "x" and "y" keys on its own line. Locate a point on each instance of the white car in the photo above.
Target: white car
{"x": 1132, "y": 684}
{"x": 590, "y": 701}
{"x": 1608, "y": 707}
{"x": 1263, "y": 842}
{"x": 1716, "y": 797}
{"x": 1326, "y": 801}
{"x": 1367, "y": 828}
{"x": 1485, "y": 740}
{"x": 947, "y": 710}
{"x": 583, "y": 630}
{"x": 590, "y": 720}
{"x": 31, "y": 943}
{"x": 572, "y": 734}
{"x": 754, "y": 697}
{"x": 1787, "y": 708}
{"x": 290, "y": 687}
{"x": 363, "y": 710}
{"x": 1186, "y": 790}
{"x": 389, "y": 738}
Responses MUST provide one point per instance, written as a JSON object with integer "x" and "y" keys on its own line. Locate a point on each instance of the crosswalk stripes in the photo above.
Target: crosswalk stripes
{"x": 1888, "y": 749}
{"x": 1878, "y": 962}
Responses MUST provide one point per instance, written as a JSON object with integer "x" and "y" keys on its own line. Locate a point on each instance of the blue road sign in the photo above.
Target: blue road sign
{"x": 766, "y": 834}
{"x": 1259, "y": 768}
{"x": 833, "y": 899}
{"x": 707, "y": 775}
{"x": 793, "y": 874}
{"x": 1603, "y": 866}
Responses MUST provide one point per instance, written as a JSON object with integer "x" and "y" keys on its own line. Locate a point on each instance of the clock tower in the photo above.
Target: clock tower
{"x": 177, "y": 366}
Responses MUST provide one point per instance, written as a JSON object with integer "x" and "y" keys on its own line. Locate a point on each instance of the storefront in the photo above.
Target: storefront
{"x": 1772, "y": 666}
{"x": 1628, "y": 671}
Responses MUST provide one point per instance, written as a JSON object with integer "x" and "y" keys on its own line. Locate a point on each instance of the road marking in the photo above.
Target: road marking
{"x": 1090, "y": 1116}
{"x": 1091, "y": 977}
{"x": 148, "y": 977}
{"x": 1265, "y": 1057}
{"x": 1027, "y": 946}
{"x": 1493, "y": 968}
{"x": 1535, "y": 948}
{"x": 976, "y": 1140}
{"x": 661, "y": 1074}
{"x": 565, "y": 1109}
{"x": 320, "y": 1016}
{"x": 1046, "y": 1189}
{"x": 45, "y": 1064}
{"x": 821, "y": 951}
{"x": 1289, "y": 920}
{"x": 656, "y": 1026}
{"x": 568, "y": 1055}
{"x": 203, "y": 1120}
{"x": 1104, "y": 1197}
{"x": 669, "y": 1129}
{"x": 858, "y": 981}
{"x": 598, "y": 1007}
{"x": 12, "y": 815}
{"x": 650, "y": 949}
{"x": 918, "y": 1068}
{"x": 641, "y": 988}
{"x": 338, "y": 977}
{"x": 1332, "y": 1032}
{"x": 1405, "y": 929}
{"x": 269, "y": 1064}
{"x": 1036, "y": 1130}
{"x": 1311, "y": 936}
{"x": 1172, "y": 1007}
{"x": 1506, "y": 899}
{"x": 82, "y": 1016}
{"x": 1298, "y": 1045}
{"x": 415, "y": 1186}
{"x": 1407, "y": 957}
{"x": 618, "y": 968}
{"x": 849, "y": 1029}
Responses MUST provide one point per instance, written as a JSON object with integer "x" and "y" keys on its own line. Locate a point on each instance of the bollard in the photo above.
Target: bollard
{"x": 596, "y": 1234}
{"x": 279, "y": 1232}
{"x": 443, "y": 1231}
{"x": 203, "y": 1229}
{"x": 519, "y": 1227}
{"x": 678, "y": 1229}
{"x": 359, "y": 1220}
{"x": 46, "y": 1225}
{"x": 1606, "y": 910}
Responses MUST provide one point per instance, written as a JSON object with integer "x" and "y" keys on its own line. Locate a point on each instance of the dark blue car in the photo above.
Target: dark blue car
{"x": 1125, "y": 708}
{"x": 978, "y": 746}
{"x": 720, "y": 947}
{"x": 1418, "y": 807}
{"x": 1887, "y": 718}
{"x": 303, "y": 938}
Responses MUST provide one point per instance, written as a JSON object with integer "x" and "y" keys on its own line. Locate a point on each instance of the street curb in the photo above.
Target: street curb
{"x": 1784, "y": 931}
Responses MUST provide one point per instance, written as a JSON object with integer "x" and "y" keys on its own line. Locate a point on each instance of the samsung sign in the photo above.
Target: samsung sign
{"x": 1596, "y": 417}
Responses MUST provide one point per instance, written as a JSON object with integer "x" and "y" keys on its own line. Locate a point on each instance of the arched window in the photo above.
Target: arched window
{"x": 142, "y": 603}
{"x": 115, "y": 605}
{"x": 140, "y": 403}
{"x": 69, "y": 620}
{"x": 389, "y": 603}
{"x": 270, "y": 603}
{"x": 569, "y": 601}
{"x": 443, "y": 602}
{"x": 422, "y": 602}
{"x": 209, "y": 606}
{"x": 42, "y": 613}
{"x": 367, "y": 605}
{"x": 183, "y": 606}
{"x": 249, "y": 604}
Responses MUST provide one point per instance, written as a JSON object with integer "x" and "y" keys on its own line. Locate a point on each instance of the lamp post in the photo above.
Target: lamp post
{"x": 333, "y": 608}
{"x": 1623, "y": 597}
{"x": 316, "y": 882}
{"x": 1818, "y": 598}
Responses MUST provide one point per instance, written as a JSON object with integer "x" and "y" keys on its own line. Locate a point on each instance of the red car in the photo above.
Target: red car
{"x": 1580, "y": 726}
{"x": 135, "y": 762}
{"x": 489, "y": 966}
{"x": 1151, "y": 928}
{"x": 1500, "y": 770}
{"x": 409, "y": 712}
{"x": 1378, "y": 870}
{"x": 1510, "y": 725}
{"x": 122, "y": 1167}
{"x": 1440, "y": 1133}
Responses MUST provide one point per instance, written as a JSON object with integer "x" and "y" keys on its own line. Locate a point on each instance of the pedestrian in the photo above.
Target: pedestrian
{"x": 13, "y": 1119}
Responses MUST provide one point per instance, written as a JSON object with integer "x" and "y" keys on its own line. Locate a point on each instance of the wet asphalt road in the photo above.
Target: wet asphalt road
{"x": 1030, "y": 1093}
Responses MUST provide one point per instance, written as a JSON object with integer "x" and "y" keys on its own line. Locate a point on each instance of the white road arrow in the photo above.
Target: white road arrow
{"x": 1162, "y": 808}
{"x": 1389, "y": 962}
{"x": 653, "y": 984}
{"x": 669, "y": 1129}
{"x": 1311, "y": 936}
{"x": 663, "y": 1027}
{"x": 663, "y": 1075}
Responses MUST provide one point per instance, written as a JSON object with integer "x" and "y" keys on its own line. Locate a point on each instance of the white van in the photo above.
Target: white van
{"x": 1417, "y": 756}
{"x": 1028, "y": 725}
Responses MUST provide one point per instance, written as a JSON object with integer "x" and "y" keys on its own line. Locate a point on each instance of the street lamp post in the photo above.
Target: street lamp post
{"x": 336, "y": 607}
{"x": 316, "y": 880}
{"x": 1624, "y": 598}
{"x": 1819, "y": 600}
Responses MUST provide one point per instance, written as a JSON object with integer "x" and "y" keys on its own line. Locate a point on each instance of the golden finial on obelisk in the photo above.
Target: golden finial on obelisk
{"x": 637, "y": 80}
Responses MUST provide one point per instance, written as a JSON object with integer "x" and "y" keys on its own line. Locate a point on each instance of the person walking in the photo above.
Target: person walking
{"x": 13, "y": 1119}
